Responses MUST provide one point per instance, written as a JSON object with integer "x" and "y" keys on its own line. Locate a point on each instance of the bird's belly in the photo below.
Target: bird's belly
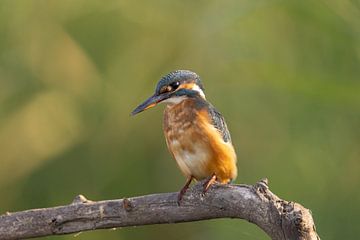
{"x": 193, "y": 158}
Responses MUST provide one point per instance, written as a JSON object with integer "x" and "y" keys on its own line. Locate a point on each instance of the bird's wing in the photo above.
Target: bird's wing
{"x": 219, "y": 123}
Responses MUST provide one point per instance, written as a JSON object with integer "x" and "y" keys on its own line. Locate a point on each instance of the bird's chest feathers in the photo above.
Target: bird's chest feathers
{"x": 185, "y": 139}
{"x": 181, "y": 124}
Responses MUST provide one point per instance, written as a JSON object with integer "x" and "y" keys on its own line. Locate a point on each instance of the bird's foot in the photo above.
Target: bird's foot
{"x": 183, "y": 190}
{"x": 208, "y": 183}
{"x": 180, "y": 196}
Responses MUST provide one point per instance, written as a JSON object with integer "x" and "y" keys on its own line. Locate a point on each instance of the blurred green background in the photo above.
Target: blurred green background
{"x": 285, "y": 74}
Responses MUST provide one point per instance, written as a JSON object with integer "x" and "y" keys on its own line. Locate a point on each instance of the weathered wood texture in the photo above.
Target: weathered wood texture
{"x": 280, "y": 219}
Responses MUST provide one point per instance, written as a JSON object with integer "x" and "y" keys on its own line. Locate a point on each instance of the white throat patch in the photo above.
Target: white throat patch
{"x": 198, "y": 89}
{"x": 174, "y": 100}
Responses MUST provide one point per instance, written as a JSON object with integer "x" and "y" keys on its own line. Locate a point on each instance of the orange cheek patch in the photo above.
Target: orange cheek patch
{"x": 187, "y": 85}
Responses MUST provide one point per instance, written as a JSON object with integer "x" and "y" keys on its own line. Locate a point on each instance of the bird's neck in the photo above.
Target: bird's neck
{"x": 175, "y": 100}
{"x": 178, "y": 105}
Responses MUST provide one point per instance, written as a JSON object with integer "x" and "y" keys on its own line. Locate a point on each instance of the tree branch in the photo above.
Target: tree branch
{"x": 280, "y": 219}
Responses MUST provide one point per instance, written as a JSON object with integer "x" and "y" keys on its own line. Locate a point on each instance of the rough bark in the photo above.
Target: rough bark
{"x": 280, "y": 219}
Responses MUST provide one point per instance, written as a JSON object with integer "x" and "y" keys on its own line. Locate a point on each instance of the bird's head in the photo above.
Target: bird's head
{"x": 173, "y": 88}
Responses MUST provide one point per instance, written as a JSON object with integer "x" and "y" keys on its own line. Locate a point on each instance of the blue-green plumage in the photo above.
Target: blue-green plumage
{"x": 219, "y": 122}
{"x": 181, "y": 76}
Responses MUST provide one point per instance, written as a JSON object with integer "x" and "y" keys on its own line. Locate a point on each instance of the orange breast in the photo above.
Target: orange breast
{"x": 196, "y": 144}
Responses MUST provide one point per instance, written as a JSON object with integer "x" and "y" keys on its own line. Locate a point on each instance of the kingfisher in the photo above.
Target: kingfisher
{"x": 195, "y": 132}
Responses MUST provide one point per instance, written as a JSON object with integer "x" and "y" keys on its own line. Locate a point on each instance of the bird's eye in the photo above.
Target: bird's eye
{"x": 169, "y": 88}
{"x": 174, "y": 85}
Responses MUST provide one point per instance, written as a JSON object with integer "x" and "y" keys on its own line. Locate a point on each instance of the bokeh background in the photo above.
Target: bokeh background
{"x": 285, "y": 74}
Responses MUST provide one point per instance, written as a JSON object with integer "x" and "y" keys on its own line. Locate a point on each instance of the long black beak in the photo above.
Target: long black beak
{"x": 149, "y": 103}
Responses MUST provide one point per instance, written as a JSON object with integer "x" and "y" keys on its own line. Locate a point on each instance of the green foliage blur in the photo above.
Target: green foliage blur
{"x": 285, "y": 74}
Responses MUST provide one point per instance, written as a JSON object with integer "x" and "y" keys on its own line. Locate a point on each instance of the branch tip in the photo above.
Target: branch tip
{"x": 265, "y": 181}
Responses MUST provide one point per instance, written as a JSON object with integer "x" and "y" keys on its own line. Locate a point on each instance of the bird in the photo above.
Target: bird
{"x": 196, "y": 133}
